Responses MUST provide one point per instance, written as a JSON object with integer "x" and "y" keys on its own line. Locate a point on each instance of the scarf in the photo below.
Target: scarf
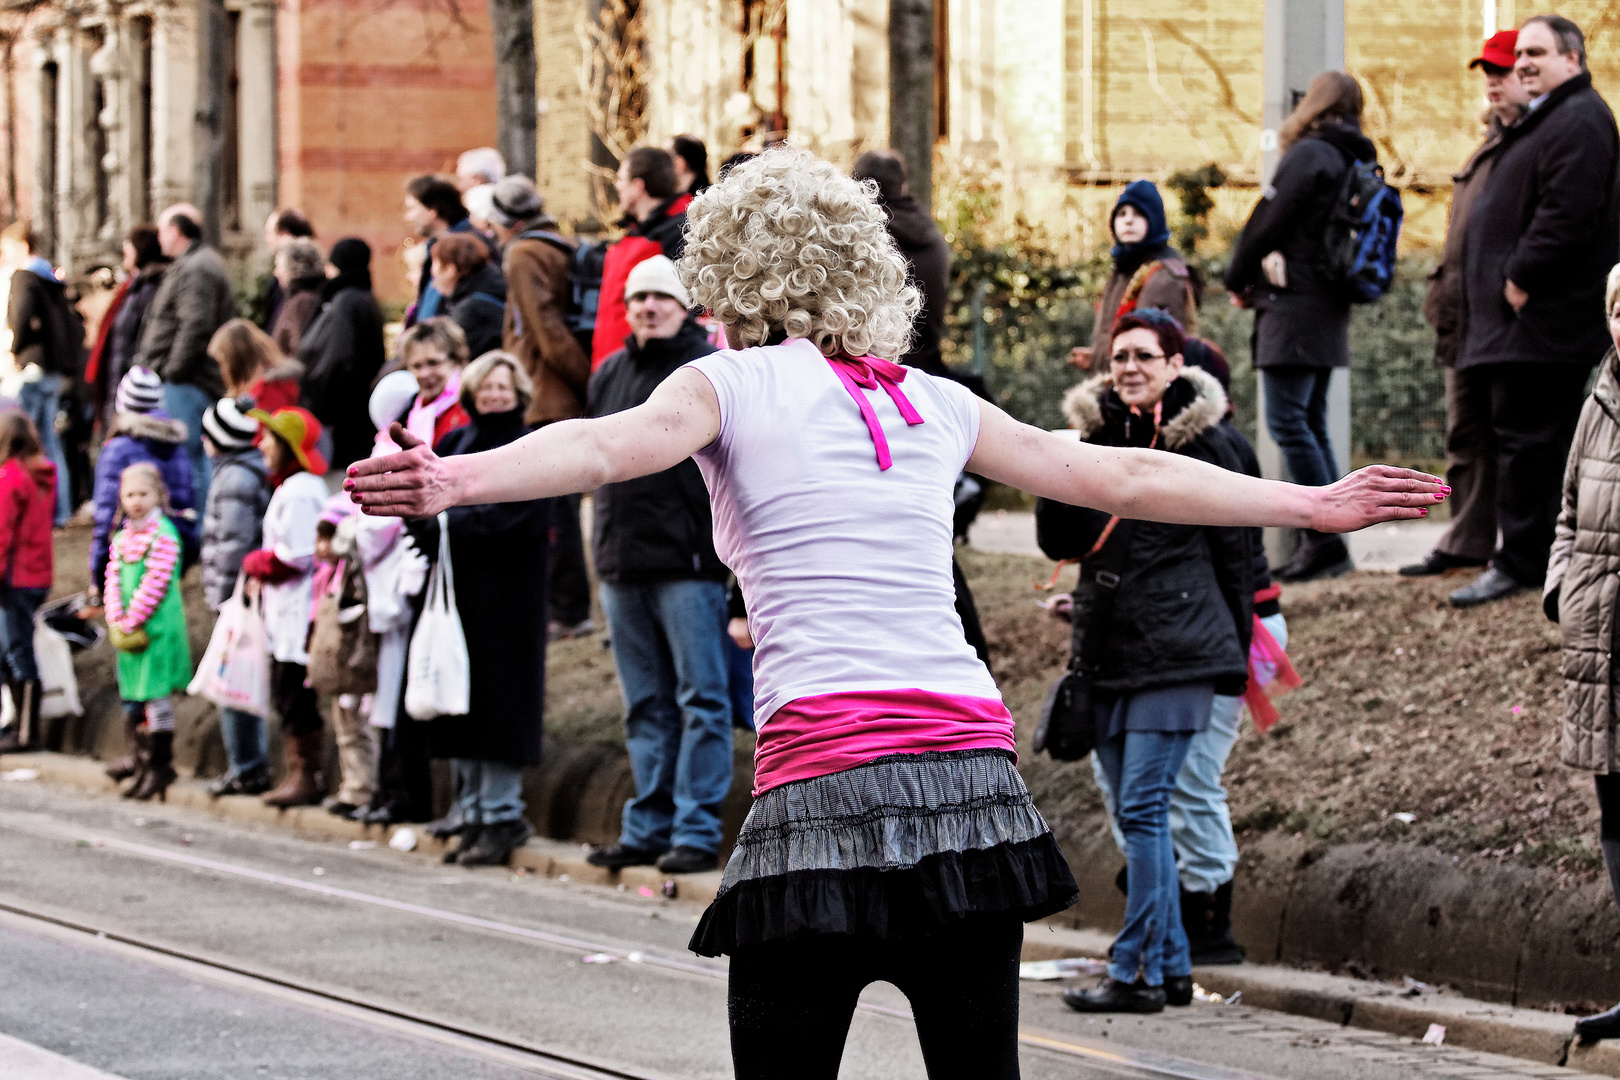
{"x": 423, "y": 418}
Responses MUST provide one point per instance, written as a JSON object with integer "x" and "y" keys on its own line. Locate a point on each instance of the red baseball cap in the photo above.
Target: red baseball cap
{"x": 1497, "y": 50}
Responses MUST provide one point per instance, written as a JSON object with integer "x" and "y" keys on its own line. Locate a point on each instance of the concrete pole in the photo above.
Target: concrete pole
{"x": 1303, "y": 38}
{"x": 208, "y": 121}
{"x": 256, "y": 117}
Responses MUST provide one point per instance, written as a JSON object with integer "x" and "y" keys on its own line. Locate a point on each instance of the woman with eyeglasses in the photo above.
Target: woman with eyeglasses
{"x": 1172, "y": 623}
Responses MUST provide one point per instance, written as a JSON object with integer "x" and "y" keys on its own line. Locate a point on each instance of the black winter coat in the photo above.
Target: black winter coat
{"x": 1308, "y": 323}
{"x": 479, "y": 308}
{"x": 1549, "y": 221}
{"x": 928, "y": 265}
{"x": 1184, "y": 609}
{"x": 44, "y": 330}
{"x": 658, "y": 527}
{"x": 342, "y": 351}
{"x": 499, "y": 553}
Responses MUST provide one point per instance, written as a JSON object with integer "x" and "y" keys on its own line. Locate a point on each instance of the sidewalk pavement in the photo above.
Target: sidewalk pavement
{"x": 1405, "y": 1010}
{"x": 1386, "y": 547}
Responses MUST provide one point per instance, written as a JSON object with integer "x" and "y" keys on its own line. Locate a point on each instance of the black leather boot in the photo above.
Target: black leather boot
{"x": 159, "y": 773}
{"x": 1319, "y": 555}
{"x": 1178, "y": 990}
{"x": 1207, "y": 918}
{"x": 1605, "y": 1025}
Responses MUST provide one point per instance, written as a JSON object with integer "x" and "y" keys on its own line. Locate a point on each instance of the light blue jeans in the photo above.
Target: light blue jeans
{"x": 187, "y": 405}
{"x": 488, "y": 792}
{"x": 41, "y": 400}
{"x": 1200, "y": 822}
{"x": 1142, "y": 766}
{"x": 245, "y": 745}
{"x": 668, "y": 646}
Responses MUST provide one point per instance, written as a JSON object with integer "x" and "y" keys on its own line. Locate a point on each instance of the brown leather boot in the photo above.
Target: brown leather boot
{"x": 125, "y": 767}
{"x": 302, "y": 784}
{"x": 159, "y": 772}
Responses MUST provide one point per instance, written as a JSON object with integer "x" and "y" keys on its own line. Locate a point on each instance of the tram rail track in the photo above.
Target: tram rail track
{"x": 516, "y": 1053}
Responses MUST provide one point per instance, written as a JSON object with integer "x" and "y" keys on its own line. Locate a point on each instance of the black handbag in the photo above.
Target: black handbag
{"x": 1067, "y": 729}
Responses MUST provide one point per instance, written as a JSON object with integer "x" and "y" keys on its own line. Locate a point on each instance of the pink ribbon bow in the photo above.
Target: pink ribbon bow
{"x": 870, "y": 372}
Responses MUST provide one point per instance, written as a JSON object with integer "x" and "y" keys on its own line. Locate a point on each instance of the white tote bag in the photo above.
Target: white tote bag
{"x": 58, "y": 683}
{"x": 235, "y": 669}
{"x": 437, "y": 677}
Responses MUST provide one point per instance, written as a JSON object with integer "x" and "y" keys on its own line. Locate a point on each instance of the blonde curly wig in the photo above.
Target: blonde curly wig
{"x": 787, "y": 242}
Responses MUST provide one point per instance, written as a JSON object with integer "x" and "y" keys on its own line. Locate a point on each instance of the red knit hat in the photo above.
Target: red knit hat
{"x": 1497, "y": 50}
{"x": 300, "y": 430}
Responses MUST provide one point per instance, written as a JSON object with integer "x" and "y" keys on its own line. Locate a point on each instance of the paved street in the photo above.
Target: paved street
{"x": 475, "y": 970}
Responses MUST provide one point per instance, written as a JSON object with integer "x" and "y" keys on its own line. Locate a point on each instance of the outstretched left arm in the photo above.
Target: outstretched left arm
{"x": 1150, "y": 485}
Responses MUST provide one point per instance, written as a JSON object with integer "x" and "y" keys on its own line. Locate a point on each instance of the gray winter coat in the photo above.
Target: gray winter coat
{"x": 1580, "y": 593}
{"x": 194, "y": 300}
{"x": 233, "y": 523}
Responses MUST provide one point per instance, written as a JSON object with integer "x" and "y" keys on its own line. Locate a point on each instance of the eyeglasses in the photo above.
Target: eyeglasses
{"x": 1142, "y": 357}
{"x": 426, "y": 363}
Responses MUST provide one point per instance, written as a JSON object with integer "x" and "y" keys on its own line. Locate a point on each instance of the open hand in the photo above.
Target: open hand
{"x": 1376, "y": 493}
{"x": 411, "y": 483}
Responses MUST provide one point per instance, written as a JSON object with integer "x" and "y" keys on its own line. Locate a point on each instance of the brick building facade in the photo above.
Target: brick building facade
{"x": 330, "y": 105}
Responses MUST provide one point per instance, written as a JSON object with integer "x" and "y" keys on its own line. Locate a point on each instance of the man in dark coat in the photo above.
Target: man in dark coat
{"x": 1470, "y": 458}
{"x": 664, "y": 592}
{"x": 1539, "y": 244}
{"x": 194, "y": 300}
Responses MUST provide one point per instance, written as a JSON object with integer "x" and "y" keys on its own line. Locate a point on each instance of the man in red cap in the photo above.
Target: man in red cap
{"x": 1470, "y": 455}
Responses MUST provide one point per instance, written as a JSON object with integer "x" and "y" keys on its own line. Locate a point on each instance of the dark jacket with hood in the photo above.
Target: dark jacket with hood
{"x": 663, "y": 233}
{"x": 121, "y": 331}
{"x": 1147, "y": 274}
{"x": 499, "y": 554}
{"x": 137, "y": 437}
{"x": 1306, "y": 324}
{"x": 1549, "y": 221}
{"x": 342, "y": 351}
{"x": 233, "y": 520}
{"x": 928, "y": 266}
{"x": 478, "y": 306}
{"x": 658, "y": 527}
{"x": 1184, "y": 608}
{"x": 44, "y": 329}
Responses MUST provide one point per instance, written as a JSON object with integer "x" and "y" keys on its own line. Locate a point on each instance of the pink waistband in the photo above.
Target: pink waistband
{"x": 829, "y": 733}
{"x": 871, "y": 373}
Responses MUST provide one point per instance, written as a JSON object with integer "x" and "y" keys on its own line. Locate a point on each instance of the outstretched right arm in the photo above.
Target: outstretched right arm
{"x": 680, "y": 418}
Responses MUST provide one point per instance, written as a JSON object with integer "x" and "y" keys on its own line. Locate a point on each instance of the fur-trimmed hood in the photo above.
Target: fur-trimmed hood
{"x": 157, "y": 426}
{"x": 1082, "y": 406}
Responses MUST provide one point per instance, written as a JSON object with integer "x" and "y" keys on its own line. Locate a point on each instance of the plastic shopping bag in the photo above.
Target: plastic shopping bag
{"x": 59, "y": 685}
{"x": 437, "y": 676}
{"x": 235, "y": 669}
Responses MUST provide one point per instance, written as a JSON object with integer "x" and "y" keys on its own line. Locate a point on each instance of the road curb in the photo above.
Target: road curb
{"x": 548, "y": 858}
{"x": 1528, "y": 1034}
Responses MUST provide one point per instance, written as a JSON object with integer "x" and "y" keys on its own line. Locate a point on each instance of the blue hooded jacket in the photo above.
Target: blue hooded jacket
{"x": 1143, "y": 195}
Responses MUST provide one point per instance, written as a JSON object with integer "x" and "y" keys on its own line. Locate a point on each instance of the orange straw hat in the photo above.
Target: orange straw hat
{"x": 300, "y": 430}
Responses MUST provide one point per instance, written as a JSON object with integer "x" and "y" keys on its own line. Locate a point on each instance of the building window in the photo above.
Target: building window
{"x": 764, "y": 69}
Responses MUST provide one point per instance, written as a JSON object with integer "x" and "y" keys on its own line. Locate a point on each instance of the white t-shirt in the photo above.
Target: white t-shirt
{"x": 846, "y": 568}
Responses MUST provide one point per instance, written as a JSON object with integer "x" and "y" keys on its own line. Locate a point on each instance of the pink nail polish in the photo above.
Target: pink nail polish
{"x": 1424, "y": 512}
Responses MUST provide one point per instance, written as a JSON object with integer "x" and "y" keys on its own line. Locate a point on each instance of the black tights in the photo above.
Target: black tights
{"x": 1608, "y": 793}
{"x": 791, "y": 1002}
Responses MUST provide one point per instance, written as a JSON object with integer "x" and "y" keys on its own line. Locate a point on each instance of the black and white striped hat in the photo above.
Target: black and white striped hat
{"x": 141, "y": 391}
{"x": 224, "y": 423}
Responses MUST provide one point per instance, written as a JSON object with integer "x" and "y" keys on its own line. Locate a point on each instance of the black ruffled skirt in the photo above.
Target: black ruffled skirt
{"x": 899, "y": 847}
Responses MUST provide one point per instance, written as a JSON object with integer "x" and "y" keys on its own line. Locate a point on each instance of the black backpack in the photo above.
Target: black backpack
{"x": 1358, "y": 243}
{"x": 585, "y": 263}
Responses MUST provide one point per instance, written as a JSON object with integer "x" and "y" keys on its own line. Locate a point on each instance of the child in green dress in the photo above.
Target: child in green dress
{"x": 147, "y": 623}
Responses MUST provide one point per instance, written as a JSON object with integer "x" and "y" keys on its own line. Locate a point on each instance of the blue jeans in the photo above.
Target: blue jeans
{"x": 187, "y": 404}
{"x": 668, "y": 647}
{"x": 1141, "y": 767}
{"x": 1200, "y": 822}
{"x": 17, "y": 607}
{"x": 1296, "y": 416}
{"x": 41, "y": 399}
{"x": 488, "y": 792}
{"x": 244, "y": 738}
